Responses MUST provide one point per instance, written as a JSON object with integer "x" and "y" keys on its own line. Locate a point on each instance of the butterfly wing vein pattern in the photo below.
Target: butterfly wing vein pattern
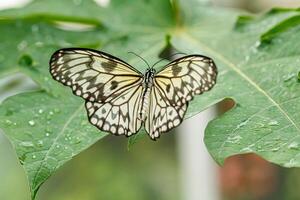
{"x": 113, "y": 90}
{"x": 91, "y": 75}
{"x": 186, "y": 77}
{"x": 118, "y": 116}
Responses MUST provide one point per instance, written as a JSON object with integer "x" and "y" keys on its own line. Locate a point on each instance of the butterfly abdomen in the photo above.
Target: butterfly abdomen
{"x": 147, "y": 86}
{"x": 144, "y": 103}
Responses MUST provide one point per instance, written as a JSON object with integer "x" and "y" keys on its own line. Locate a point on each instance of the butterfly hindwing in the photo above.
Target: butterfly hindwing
{"x": 119, "y": 115}
{"x": 93, "y": 75}
{"x": 185, "y": 77}
{"x": 162, "y": 117}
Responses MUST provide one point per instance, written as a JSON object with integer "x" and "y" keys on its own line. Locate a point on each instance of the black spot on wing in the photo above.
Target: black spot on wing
{"x": 114, "y": 85}
{"x": 168, "y": 87}
{"x": 109, "y": 65}
{"x": 176, "y": 70}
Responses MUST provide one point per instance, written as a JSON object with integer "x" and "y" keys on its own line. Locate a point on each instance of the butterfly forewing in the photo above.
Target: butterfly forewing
{"x": 185, "y": 77}
{"x": 93, "y": 75}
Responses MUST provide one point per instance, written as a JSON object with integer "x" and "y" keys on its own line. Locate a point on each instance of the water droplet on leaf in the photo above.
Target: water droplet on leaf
{"x": 257, "y": 43}
{"x": 78, "y": 140}
{"x": 40, "y": 143}
{"x": 234, "y": 139}
{"x": 275, "y": 149}
{"x": 273, "y": 123}
{"x": 247, "y": 58}
{"x": 293, "y": 145}
{"x": 22, "y": 45}
{"x": 26, "y": 144}
{"x": 31, "y": 123}
{"x": 39, "y": 44}
{"x": 288, "y": 77}
{"x": 8, "y": 122}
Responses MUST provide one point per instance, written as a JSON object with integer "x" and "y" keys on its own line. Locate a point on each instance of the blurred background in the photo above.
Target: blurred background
{"x": 176, "y": 167}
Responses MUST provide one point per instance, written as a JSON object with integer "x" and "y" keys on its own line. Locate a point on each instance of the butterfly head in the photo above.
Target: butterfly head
{"x": 151, "y": 71}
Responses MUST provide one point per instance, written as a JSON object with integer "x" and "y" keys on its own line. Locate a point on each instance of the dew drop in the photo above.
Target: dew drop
{"x": 78, "y": 140}
{"x": 257, "y": 43}
{"x": 47, "y": 134}
{"x": 275, "y": 149}
{"x": 39, "y": 44}
{"x": 291, "y": 163}
{"x": 51, "y": 113}
{"x": 26, "y": 144}
{"x": 22, "y": 45}
{"x": 293, "y": 145}
{"x": 8, "y": 122}
{"x": 40, "y": 143}
{"x": 248, "y": 149}
{"x": 288, "y": 77}
{"x": 273, "y": 123}
{"x": 31, "y": 123}
{"x": 66, "y": 148}
{"x": 247, "y": 58}
{"x": 234, "y": 139}
{"x": 41, "y": 111}
{"x": 34, "y": 156}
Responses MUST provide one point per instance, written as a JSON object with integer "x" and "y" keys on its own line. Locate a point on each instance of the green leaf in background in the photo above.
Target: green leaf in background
{"x": 258, "y": 70}
{"x": 265, "y": 119}
{"x": 257, "y": 58}
{"x": 27, "y": 43}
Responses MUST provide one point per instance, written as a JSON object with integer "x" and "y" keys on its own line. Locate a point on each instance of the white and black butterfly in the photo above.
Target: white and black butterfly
{"x": 120, "y": 99}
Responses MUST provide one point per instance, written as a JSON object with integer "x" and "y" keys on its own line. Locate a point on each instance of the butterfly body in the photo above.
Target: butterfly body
{"x": 120, "y": 99}
{"x": 147, "y": 86}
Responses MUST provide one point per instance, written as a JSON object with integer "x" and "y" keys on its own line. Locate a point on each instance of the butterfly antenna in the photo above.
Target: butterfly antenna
{"x": 166, "y": 58}
{"x": 139, "y": 57}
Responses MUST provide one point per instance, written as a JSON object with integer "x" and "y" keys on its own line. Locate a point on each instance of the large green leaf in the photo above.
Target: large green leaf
{"x": 258, "y": 64}
{"x": 257, "y": 58}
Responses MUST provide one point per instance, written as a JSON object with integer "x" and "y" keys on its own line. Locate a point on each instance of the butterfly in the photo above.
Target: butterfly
{"x": 120, "y": 100}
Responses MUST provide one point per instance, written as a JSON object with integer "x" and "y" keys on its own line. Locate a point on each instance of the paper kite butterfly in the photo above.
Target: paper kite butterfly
{"x": 119, "y": 99}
